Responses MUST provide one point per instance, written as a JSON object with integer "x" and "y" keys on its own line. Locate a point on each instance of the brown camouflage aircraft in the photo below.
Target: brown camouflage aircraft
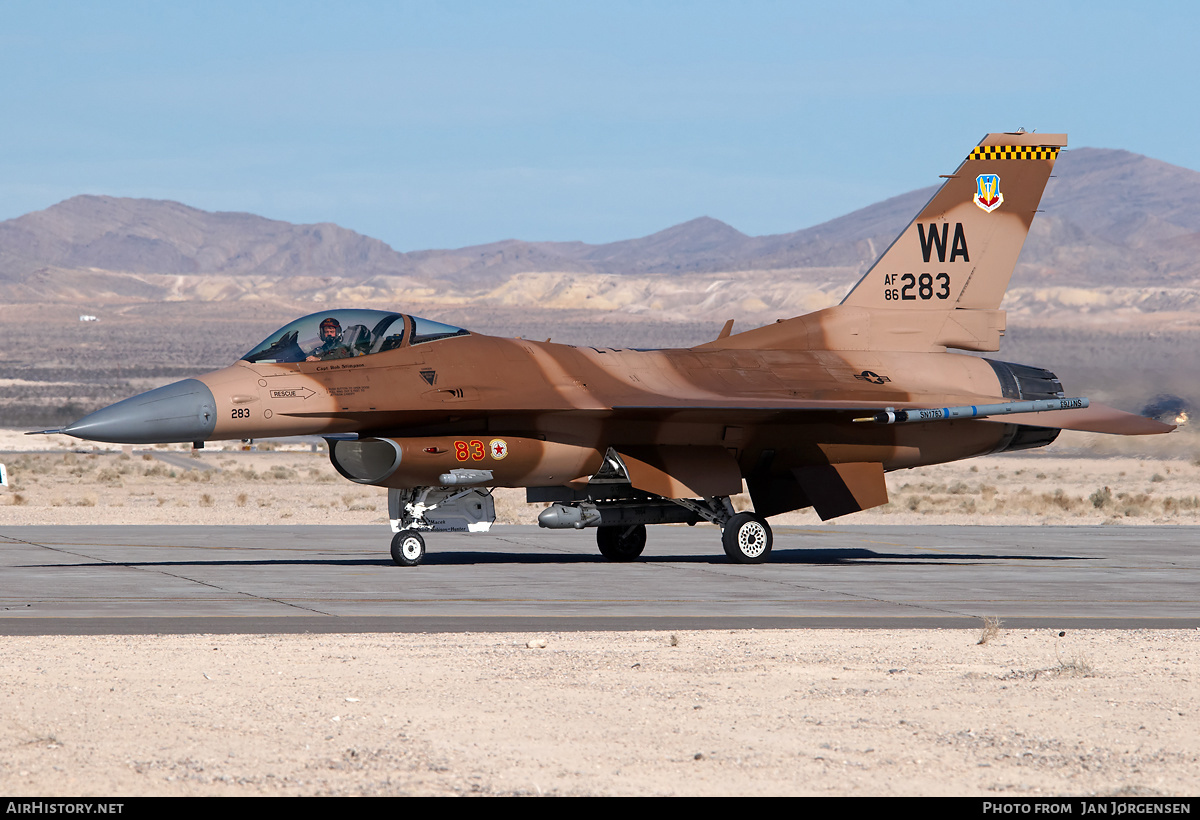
{"x": 810, "y": 411}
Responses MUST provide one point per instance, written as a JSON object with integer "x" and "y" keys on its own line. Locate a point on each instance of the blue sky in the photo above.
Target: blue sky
{"x": 443, "y": 125}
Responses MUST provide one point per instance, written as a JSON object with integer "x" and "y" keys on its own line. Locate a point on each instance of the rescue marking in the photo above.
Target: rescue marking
{"x": 293, "y": 393}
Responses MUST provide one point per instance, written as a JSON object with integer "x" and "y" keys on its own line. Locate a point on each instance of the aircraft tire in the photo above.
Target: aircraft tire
{"x": 408, "y": 548}
{"x": 747, "y": 539}
{"x": 621, "y": 543}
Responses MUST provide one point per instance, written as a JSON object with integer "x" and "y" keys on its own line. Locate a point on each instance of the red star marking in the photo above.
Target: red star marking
{"x": 498, "y": 449}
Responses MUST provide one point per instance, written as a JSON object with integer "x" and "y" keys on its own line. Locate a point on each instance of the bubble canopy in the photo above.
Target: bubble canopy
{"x": 342, "y": 334}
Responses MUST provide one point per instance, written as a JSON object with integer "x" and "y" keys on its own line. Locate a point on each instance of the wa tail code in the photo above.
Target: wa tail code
{"x": 933, "y": 240}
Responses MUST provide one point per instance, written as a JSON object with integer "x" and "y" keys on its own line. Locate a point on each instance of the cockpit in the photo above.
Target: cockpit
{"x": 342, "y": 334}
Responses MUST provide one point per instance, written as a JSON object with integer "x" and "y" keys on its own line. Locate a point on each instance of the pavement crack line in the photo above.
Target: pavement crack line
{"x": 163, "y": 572}
{"x": 776, "y": 581}
{"x": 812, "y": 588}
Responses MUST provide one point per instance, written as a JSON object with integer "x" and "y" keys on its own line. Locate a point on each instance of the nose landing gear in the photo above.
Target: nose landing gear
{"x": 408, "y": 548}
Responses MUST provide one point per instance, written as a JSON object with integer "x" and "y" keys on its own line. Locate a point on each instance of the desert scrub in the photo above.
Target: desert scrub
{"x": 990, "y": 630}
{"x": 1060, "y": 499}
{"x": 109, "y": 475}
{"x": 1183, "y": 504}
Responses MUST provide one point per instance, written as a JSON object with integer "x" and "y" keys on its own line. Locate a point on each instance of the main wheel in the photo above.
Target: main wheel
{"x": 621, "y": 543}
{"x": 747, "y": 538}
{"x": 408, "y": 548}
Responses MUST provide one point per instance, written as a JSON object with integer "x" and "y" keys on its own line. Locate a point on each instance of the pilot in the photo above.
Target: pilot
{"x": 331, "y": 346}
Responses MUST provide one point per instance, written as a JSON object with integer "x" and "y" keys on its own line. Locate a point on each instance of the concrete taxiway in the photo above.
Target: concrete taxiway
{"x": 148, "y": 579}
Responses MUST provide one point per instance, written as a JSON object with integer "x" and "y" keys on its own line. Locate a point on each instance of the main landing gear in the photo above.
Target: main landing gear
{"x": 621, "y": 543}
{"x": 620, "y": 520}
{"x": 746, "y": 538}
{"x": 621, "y": 523}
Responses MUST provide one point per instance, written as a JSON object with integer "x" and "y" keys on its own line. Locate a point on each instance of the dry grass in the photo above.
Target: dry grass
{"x": 990, "y": 630}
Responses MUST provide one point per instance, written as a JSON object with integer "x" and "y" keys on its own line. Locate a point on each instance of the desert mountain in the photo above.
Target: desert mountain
{"x": 1111, "y": 218}
{"x": 153, "y": 236}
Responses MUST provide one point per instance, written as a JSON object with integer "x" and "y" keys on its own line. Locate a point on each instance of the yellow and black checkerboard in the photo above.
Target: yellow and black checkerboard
{"x": 1014, "y": 152}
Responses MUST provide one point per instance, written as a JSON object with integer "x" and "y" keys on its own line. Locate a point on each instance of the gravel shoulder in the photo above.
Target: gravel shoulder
{"x": 793, "y": 712}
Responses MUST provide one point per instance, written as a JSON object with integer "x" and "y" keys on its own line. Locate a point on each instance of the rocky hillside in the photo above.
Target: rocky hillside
{"x": 1111, "y": 219}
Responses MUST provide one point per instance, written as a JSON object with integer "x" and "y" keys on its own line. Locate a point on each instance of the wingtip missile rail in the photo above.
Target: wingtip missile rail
{"x": 973, "y": 411}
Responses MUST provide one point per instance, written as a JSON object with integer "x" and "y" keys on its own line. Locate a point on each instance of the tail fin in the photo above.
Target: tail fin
{"x": 960, "y": 250}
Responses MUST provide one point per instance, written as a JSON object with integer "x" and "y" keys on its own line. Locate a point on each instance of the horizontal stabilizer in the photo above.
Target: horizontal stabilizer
{"x": 1096, "y": 418}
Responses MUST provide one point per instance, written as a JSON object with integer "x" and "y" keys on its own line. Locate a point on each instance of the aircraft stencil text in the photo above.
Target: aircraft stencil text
{"x": 937, "y": 241}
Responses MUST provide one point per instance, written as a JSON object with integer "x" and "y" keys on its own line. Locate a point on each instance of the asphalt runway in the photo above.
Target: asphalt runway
{"x": 221, "y": 579}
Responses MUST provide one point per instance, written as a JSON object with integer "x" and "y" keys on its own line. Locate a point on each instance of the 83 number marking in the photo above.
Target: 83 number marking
{"x": 469, "y": 450}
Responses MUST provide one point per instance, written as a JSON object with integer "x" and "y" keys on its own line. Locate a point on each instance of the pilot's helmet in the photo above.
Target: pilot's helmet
{"x": 333, "y": 323}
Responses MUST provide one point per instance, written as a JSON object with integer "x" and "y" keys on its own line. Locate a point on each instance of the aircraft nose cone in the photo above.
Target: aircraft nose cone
{"x": 179, "y": 412}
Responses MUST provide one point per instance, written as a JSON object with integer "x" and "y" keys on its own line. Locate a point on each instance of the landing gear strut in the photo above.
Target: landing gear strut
{"x": 435, "y": 509}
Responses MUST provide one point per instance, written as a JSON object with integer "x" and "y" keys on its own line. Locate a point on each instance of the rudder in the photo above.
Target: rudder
{"x": 961, "y": 249}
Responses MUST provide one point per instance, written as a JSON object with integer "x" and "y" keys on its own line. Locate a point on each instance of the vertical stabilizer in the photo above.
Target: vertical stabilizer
{"x": 960, "y": 251}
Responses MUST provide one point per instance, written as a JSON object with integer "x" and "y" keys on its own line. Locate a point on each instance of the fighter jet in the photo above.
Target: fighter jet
{"x": 811, "y": 411}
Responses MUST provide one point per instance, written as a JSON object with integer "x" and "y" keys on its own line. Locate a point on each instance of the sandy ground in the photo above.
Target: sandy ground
{"x": 797, "y": 712}
{"x": 1079, "y": 480}
{"x": 801, "y": 712}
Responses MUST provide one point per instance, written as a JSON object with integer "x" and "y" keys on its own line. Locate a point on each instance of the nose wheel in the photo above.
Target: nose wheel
{"x": 408, "y": 548}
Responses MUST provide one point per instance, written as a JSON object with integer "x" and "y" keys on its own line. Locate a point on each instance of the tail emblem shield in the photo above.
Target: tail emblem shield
{"x": 987, "y": 192}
